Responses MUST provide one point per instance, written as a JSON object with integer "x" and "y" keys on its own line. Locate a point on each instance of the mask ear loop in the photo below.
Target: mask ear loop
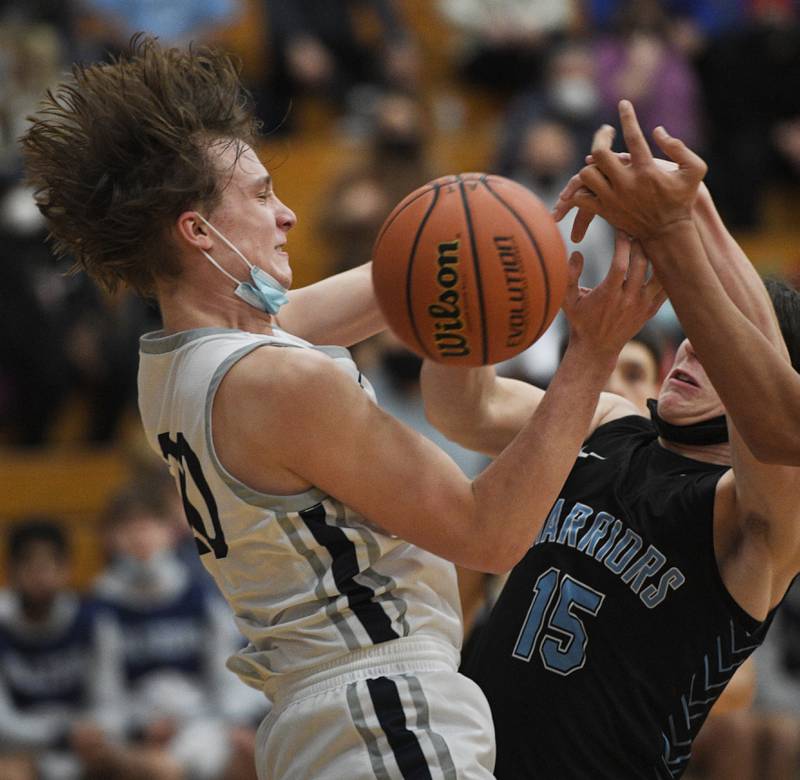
{"x": 229, "y": 244}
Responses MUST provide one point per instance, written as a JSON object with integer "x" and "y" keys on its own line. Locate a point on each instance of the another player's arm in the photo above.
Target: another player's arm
{"x": 484, "y": 412}
{"x": 720, "y": 301}
{"x": 338, "y": 310}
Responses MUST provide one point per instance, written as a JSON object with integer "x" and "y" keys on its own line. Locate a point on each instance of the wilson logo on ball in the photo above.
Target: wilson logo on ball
{"x": 447, "y": 312}
{"x": 469, "y": 269}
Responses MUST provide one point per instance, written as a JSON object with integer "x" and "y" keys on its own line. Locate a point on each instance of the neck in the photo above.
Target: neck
{"x": 184, "y": 307}
{"x": 718, "y": 454}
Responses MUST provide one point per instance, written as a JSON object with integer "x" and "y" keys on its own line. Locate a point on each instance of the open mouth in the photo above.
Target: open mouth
{"x": 682, "y": 376}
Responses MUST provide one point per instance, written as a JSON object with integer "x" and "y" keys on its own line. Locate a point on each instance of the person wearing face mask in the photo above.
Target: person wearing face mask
{"x": 174, "y": 636}
{"x": 329, "y": 526}
{"x": 60, "y": 692}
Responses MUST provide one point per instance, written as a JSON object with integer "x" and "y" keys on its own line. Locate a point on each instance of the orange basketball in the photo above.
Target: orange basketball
{"x": 469, "y": 269}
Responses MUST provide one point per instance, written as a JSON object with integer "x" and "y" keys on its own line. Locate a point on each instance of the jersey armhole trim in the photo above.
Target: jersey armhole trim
{"x": 289, "y": 503}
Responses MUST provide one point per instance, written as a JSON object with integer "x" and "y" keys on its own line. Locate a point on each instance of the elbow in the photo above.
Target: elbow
{"x": 502, "y": 563}
{"x": 496, "y": 557}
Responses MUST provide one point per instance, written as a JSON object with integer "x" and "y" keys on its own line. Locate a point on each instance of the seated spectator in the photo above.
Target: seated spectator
{"x": 107, "y": 25}
{"x": 568, "y": 95}
{"x": 638, "y": 61}
{"x": 332, "y": 49}
{"x": 753, "y": 129}
{"x": 176, "y": 637}
{"x": 637, "y": 375}
{"x": 503, "y": 42}
{"x": 60, "y": 695}
{"x": 393, "y": 164}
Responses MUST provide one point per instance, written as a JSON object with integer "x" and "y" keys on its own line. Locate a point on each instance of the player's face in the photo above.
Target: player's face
{"x": 687, "y": 396}
{"x": 635, "y": 376}
{"x": 251, "y": 216}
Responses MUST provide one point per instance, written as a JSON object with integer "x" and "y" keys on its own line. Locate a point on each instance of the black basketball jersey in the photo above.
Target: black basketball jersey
{"x": 615, "y": 634}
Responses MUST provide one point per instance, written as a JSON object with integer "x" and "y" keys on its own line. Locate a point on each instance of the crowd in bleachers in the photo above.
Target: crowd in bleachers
{"x": 128, "y": 680}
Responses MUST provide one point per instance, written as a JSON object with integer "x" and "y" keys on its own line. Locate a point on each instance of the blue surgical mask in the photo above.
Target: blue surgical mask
{"x": 265, "y": 293}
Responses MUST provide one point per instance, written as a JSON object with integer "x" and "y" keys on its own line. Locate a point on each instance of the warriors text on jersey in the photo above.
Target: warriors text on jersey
{"x": 308, "y": 579}
{"x": 615, "y": 634}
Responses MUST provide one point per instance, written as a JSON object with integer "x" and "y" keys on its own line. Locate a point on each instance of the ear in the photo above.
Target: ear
{"x": 191, "y": 230}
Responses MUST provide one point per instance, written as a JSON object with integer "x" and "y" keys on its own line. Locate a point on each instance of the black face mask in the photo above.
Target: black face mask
{"x": 713, "y": 431}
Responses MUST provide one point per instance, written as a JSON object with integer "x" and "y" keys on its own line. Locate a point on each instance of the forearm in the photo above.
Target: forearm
{"x": 516, "y": 491}
{"x": 459, "y": 402}
{"x": 747, "y": 367}
{"x": 739, "y": 278}
{"x": 338, "y": 310}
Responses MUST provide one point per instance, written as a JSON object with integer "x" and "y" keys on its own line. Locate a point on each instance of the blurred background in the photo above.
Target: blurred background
{"x": 362, "y": 101}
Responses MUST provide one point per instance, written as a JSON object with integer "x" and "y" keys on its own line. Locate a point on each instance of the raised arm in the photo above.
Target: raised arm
{"x": 325, "y": 431}
{"x": 338, "y": 310}
{"x": 717, "y": 294}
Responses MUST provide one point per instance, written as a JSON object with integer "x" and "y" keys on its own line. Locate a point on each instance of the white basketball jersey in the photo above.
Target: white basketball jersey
{"x": 308, "y": 579}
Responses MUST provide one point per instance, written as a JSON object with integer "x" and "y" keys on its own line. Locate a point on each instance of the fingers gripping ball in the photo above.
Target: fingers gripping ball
{"x": 469, "y": 269}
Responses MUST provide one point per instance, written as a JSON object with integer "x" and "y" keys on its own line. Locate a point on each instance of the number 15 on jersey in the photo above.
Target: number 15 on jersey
{"x": 553, "y": 625}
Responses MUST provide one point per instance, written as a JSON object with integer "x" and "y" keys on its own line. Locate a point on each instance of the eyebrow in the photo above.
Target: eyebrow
{"x": 264, "y": 183}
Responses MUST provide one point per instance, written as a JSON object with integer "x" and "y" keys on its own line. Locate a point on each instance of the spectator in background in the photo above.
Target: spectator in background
{"x": 106, "y": 26}
{"x": 333, "y": 49}
{"x": 709, "y": 18}
{"x": 394, "y": 163}
{"x": 637, "y": 60}
{"x": 750, "y": 76}
{"x": 59, "y": 333}
{"x": 59, "y": 683}
{"x": 637, "y": 375}
{"x": 61, "y": 336}
{"x": 568, "y": 95}
{"x": 778, "y": 693}
{"x": 393, "y": 371}
{"x": 503, "y": 42}
{"x": 543, "y": 135}
{"x": 176, "y": 637}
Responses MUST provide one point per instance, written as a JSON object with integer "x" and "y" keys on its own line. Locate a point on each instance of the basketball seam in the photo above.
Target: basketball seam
{"x": 533, "y": 241}
{"x": 477, "y": 265}
{"x": 386, "y": 225}
{"x": 412, "y": 255}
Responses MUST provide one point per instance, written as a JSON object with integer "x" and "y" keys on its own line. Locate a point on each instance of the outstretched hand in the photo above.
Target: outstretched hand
{"x": 609, "y": 315}
{"x": 635, "y": 193}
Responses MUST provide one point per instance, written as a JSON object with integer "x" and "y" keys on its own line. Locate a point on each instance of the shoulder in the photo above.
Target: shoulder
{"x": 612, "y": 407}
{"x": 617, "y": 416}
{"x": 280, "y": 395}
{"x": 279, "y": 370}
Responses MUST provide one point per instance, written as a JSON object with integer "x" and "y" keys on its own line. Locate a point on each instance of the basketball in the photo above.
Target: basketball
{"x": 469, "y": 269}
